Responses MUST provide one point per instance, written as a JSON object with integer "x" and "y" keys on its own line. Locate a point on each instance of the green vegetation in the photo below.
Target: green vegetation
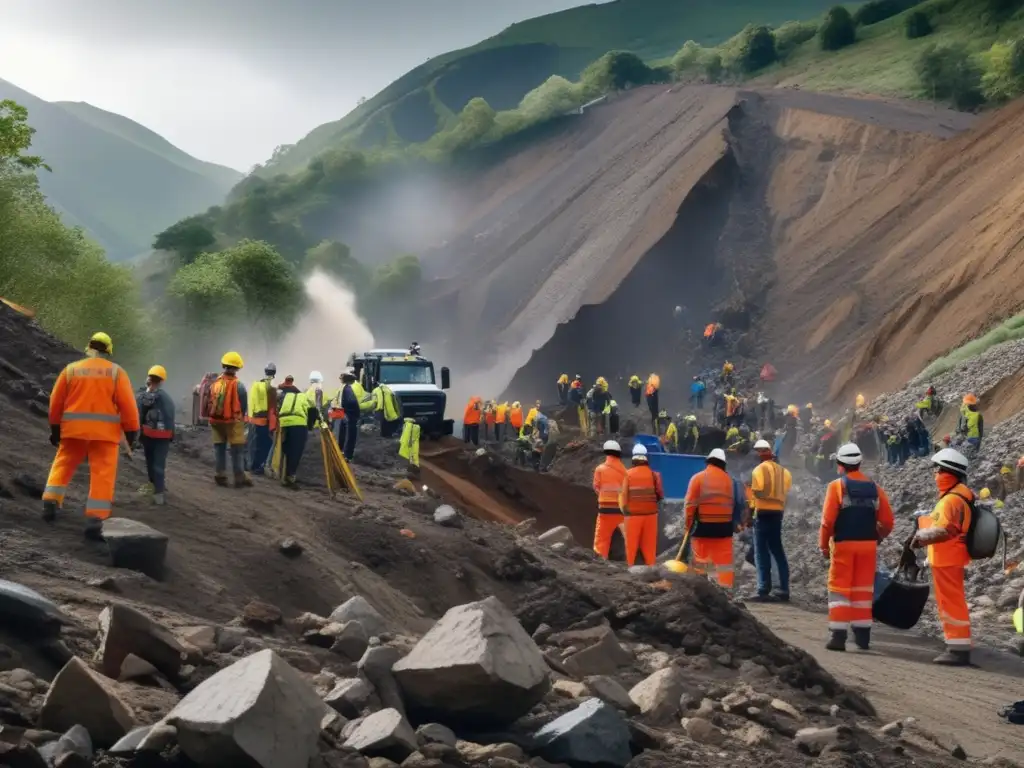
{"x": 837, "y": 30}
{"x": 1009, "y": 330}
{"x": 875, "y": 11}
{"x": 948, "y": 72}
{"x": 917, "y": 25}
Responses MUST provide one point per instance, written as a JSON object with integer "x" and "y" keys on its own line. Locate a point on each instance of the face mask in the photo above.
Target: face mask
{"x": 945, "y": 482}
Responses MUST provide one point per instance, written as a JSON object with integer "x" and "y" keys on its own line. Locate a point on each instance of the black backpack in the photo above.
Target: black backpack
{"x": 985, "y": 531}
{"x": 149, "y": 410}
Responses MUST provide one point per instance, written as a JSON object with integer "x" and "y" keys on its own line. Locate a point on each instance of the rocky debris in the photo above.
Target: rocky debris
{"x": 604, "y": 657}
{"x": 753, "y": 735}
{"x": 436, "y": 733}
{"x": 26, "y": 611}
{"x": 258, "y": 709}
{"x": 486, "y": 754}
{"x": 814, "y": 741}
{"x": 261, "y": 616}
{"x": 124, "y": 631}
{"x": 609, "y": 690}
{"x": 202, "y": 638}
{"x": 384, "y": 734}
{"x": 659, "y": 694}
{"x": 290, "y": 548}
{"x": 350, "y": 641}
{"x": 229, "y": 638}
{"x": 703, "y": 731}
{"x": 350, "y": 696}
{"x": 79, "y": 696}
{"x": 359, "y": 609}
{"x": 558, "y": 535}
{"x": 447, "y": 516}
{"x": 20, "y": 754}
{"x": 135, "y": 546}
{"x": 476, "y": 665}
{"x": 134, "y": 668}
{"x": 377, "y": 665}
{"x": 570, "y": 689}
{"x": 594, "y": 733}
{"x": 75, "y": 741}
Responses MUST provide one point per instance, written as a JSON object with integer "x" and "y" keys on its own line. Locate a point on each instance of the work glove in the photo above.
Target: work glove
{"x": 55, "y": 435}
{"x": 132, "y": 438}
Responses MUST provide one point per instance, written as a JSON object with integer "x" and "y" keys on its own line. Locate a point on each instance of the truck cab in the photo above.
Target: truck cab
{"x": 412, "y": 378}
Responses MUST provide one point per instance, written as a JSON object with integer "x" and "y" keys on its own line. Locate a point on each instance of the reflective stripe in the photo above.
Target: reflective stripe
{"x": 97, "y": 504}
{"x": 57, "y": 489}
{"x": 839, "y": 625}
{"x": 862, "y": 604}
{"x": 862, "y": 623}
{"x": 956, "y": 641}
{"x": 847, "y": 502}
{"x": 953, "y": 622}
{"x": 111, "y": 418}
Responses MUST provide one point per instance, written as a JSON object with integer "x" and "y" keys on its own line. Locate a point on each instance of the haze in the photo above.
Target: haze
{"x": 228, "y": 80}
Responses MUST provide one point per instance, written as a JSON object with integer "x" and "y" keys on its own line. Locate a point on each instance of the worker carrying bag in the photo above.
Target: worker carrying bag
{"x": 900, "y": 596}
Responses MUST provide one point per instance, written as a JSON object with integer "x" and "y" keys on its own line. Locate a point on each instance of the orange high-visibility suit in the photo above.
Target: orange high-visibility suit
{"x": 855, "y": 516}
{"x": 500, "y": 416}
{"x": 93, "y": 403}
{"x": 943, "y": 531}
{"x": 641, "y": 492}
{"x": 489, "y": 419}
{"x": 653, "y": 384}
{"x": 608, "y": 481}
{"x": 709, "y": 512}
{"x": 471, "y": 415}
{"x": 515, "y": 417}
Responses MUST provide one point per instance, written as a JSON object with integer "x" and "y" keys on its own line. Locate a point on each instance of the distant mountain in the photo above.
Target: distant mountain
{"x": 117, "y": 179}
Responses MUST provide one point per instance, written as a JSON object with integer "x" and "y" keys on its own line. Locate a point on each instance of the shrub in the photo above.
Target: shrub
{"x": 997, "y": 11}
{"x": 838, "y": 29}
{"x": 791, "y": 34}
{"x": 615, "y": 71}
{"x": 875, "y": 11}
{"x": 686, "y": 58}
{"x": 756, "y": 48}
{"x": 917, "y": 25}
{"x": 711, "y": 64}
{"x": 1009, "y": 330}
{"x": 948, "y": 72}
{"x": 1003, "y": 74}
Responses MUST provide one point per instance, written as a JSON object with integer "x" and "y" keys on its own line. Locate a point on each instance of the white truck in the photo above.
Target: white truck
{"x": 412, "y": 379}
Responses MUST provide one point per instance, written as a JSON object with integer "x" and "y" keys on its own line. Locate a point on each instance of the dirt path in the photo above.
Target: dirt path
{"x": 900, "y": 681}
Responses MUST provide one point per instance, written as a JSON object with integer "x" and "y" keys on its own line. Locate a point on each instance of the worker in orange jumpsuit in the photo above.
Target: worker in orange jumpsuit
{"x": 855, "y": 516}
{"x": 471, "y": 420}
{"x": 228, "y": 406}
{"x": 943, "y": 533}
{"x": 710, "y": 509}
{"x": 641, "y": 492}
{"x": 91, "y": 405}
{"x": 608, "y": 481}
{"x": 515, "y": 419}
{"x": 500, "y": 418}
{"x": 651, "y": 391}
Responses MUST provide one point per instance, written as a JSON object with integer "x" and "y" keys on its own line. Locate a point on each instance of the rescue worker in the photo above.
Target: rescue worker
{"x": 531, "y": 417}
{"x": 651, "y": 392}
{"x": 971, "y": 426}
{"x": 731, "y": 408}
{"x": 409, "y": 443}
{"x": 929, "y": 404}
{"x": 697, "y": 390}
{"x": 769, "y": 484}
{"x": 943, "y": 533}
{"x": 789, "y": 431}
{"x": 488, "y": 420}
{"x": 317, "y": 399}
{"x": 91, "y": 406}
{"x": 293, "y": 413}
{"x": 500, "y": 420}
{"x": 515, "y": 419}
{"x": 635, "y": 390}
{"x": 828, "y": 444}
{"x": 353, "y": 407}
{"x": 228, "y": 406}
{"x": 691, "y": 435}
{"x": 601, "y": 399}
{"x": 670, "y": 438}
{"x": 713, "y": 508}
{"x": 471, "y": 421}
{"x": 663, "y": 421}
{"x": 336, "y": 414}
{"x": 563, "y": 389}
{"x": 608, "y": 480}
{"x": 855, "y": 517}
{"x": 388, "y": 409}
{"x": 156, "y": 416}
{"x": 414, "y": 349}
{"x": 262, "y": 419}
{"x": 1007, "y": 485}
{"x": 613, "y": 417}
{"x": 727, "y": 371}
{"x": 807, "y": 416}
{"x": 641, "y": 492}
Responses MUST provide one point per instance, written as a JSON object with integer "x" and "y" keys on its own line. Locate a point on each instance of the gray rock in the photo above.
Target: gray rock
{"x": 485, "y": 753}
{"x": 134, "y": 668}
{"x": 702, "y": 731}
{"x": 258, "y": 710}
{"x": 350, "y": 696}
{"x": 160, "y": 737}
{"x": 129, "y": 743}
{"x": 22, "y": 607}
{"x": 894, "y": 729}
{"x": 76, "y": 740}
{"x": 609, "y": 690}
{"x": 376, "y": 665}
{"x": 435, "y": 733}
{"x": 351, "y": 641}
{"x": 125, "y": 631}
{"x": 447, "y": 516}
{"x": 557, "y": 535}
{"x": 786, "y": 708}
{"x": 570, "y": 689}
{"x": 202, "y": 638}
{"x": 135, "y": 546}
{"x": 753, "y": 735}
{"x": 229, "y": 638}
{"x": 78, "y": 696}
{"x": 359, "y": 609}
{"x": 20, "y": 754}
{"x": 604, "y": 657}
{"x": 658, "y": 695}
{"x": 814, "y": 740}
{"x": 384, "y": 734}
{"x": 594, "y": 733}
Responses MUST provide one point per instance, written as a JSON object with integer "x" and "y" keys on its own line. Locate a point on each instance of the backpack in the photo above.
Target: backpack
{"x": 149, "y": 410}
{"x": 983, "y": 534}
{"x": 204, "y": 394}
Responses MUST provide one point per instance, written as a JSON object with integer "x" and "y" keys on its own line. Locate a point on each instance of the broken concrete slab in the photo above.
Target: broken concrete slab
{"x": 79, "y": 696}
{"x": 129, "y": 743}
{"x": 76, "y": 740}
{"x": 359, "y": 609}
{"x": 350, "y": 696}
{"x": 134, "y": 668}
{"x": 124, "y": 631}
{"x": 135, "y": 546}
{"x": 26, "y": 611}
{"x": 204, "y": 638}
{"x": 384, "y": 734}
{"x": 259, "y": 710}
{"x": 658, "y": 695}
{"x": 594, "y": 733}
{"x": 602, "y": 658}
{"x": 476, "y": 665}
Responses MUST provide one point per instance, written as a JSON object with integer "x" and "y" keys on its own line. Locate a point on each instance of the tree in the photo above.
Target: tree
{"x": 687, "y": 58}
{"x": 16, "y": 137}
{"x": 792, "y": 34}
{"x": 756, "y": 48}
{"x": 948, "y": 72}
{"x": 476, "y": 120}
{"x": 336, "y": 259}
{"x": 875, "y": 11}
{"x": 917, "y": 24}
{"x": 398, "y": 280}
{"x": 1003, "y": 76}
{"x": 615, "y": 71}
{"x": 712, "y": 65}
{"x": 188, "y": 238}
{"x": 206, "y": 292}
{"x": 837, "y": 30}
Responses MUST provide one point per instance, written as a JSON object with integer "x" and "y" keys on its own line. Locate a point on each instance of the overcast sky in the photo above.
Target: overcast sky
{"x": 228, "y": 80}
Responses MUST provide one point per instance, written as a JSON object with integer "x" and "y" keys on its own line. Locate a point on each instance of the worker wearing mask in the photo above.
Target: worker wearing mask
{"x": 714, "y": 506}
{"x": 563, "y": 389}
{"x": 262, "y": 419}
{"x": 471, "y": 420}
{"x": 769, "y": 484}
{"x": 943, "y": 533}
{"x": 651, "y": 392}
{"x": 352, "y": 406}
{"x": 156, "y": 415}
{"x": 636, "y": 388}
{"x": 638, "y": 502}
{"x": 855, "y": 517}
{"x": 91, "y": 406}
{"x": 228, "y": 406}
{"x": 293, "y": 415}
{"x": 608, "y": 480}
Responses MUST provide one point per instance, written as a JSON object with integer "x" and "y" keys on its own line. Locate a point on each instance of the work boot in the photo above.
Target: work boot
{"x": 221, "y": 480}
{"x": 837, "y": 642}
{"x": 290, "y": 484}
{"x": 782, "y": 597}
{"x": 49, "y": 513}
{"x": 862, "y": 637}
{"x": 762, "y": 597}
{"x": 159, "y": 499}
{"x": 93, "y": 529}
{"x": 243, "y": 481}
{"x": 953, "y": 659}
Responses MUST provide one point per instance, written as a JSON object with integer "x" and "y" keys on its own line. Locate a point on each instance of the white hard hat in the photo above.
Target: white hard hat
{"x": 717, "y": 453}
{"x": 849, "y": 454}
{"x": 952, "y": 460}
{"x": 612, "y": 445}
{"x": 316, "y": 376}
{"x": 639, "y": 449}
{"x": 762, "y": 445}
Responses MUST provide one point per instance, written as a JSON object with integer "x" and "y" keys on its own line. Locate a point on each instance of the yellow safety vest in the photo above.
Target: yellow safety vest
{"x": 972, "y": 417}
{"x": 409, "y": 445}
{"x": 385, "y": 402}
{"x": 294, "y": 410}
{"x": 258, "y": 397}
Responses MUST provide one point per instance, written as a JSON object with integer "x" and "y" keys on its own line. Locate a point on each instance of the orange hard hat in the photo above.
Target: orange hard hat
{"x": 970, "y": 399}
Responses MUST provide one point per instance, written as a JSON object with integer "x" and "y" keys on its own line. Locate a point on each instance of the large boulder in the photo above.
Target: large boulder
{"x": 26, "y": 611}
{"x": 125, "y": 631}
{"x": 135, "y": 546}
{"x": 376, "y": 665}
{"x": 658, "y": 694}
{"x": 384, "y": 734}
{"x": 350, "y": 696}
{"x": 477, "y": 666}
{"x": 604, "y": 657}
{"x": 259, "y": 710}
{"x": 79, "y": 696}
{"x": 359, "y": 609}
{"x": 594, "y": 733}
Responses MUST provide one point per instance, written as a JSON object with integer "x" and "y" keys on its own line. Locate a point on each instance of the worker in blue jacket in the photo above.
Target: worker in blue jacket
{"x": 697, "y": 389}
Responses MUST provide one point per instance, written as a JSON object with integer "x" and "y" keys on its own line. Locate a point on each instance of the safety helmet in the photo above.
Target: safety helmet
{"x": 232, "y": 360}
{"x": 158, "y": 372}
{"x": 849, "y": 454}
{"x": 970, "y": 399}
{"x": 762, "y": 445}
{"x": 717, "y": 453}
{"x": 809, "y": 405}
{"x": 612, "y": 445}
{"x": 828, "y": 423}
{"x": 676, "y": 566}
{"x": 639, "y": 449}
{"x": 691, "y": 417}
{"x": 578, "y": 377}
{"x": 951, "y": 459}
{"x": 601, "y": 381}
{"x": 985, "y": 493}
{"x": 316, "y": 376}
{"x": 516, "y": 404}
{"x": 1004, "y": 470}
{"x": 104, "y": 339}
{"x": 270, "y": 369}
{"x": 663, "y": 414}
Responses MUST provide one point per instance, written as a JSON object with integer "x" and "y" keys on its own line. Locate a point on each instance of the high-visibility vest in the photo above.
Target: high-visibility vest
{"x": 531, "y": 417}
{"x": 671, "y": 436}
{"x": 653, "y": 384}
{"x": 515, "y": 416}
{"x": 858, "y": 511}
{"x": 365, "y": 401}
{"x": 563, "y": 379}
{"x": 293, "y": 409}
{"x": 225, "y": 405}
{"x": 471, "y": 415}
{"x": 635, "y": 383}
{"x": 641, "y": 491}
{"x": 768, "y": 482}
{"x": 385, "y": 402}
{"x": 500, "y": 413}
{"x": 316, "y": 397}
{"x": 409, "y": 444}
{"x": 972, "y": 419}
{"x": 608, "y": 479}
{"x": 950, "y": 507}
{"x": 709, "y": 500}
{"x": 92, "y": 399}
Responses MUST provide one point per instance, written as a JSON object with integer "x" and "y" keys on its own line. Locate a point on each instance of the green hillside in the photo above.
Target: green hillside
{"x": 504, "y": 68}
{"x": 117, "y": 180}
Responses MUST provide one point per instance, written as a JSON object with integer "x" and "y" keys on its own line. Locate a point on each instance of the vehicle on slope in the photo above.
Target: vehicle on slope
{"x": 412, "y": 379}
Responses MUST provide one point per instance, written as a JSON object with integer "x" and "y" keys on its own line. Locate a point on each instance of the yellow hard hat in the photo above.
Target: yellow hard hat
{"x": 985, "y": 493}
{"x": 158, "y": 372}
{"x": 1004, "y": 470}
{"x": 828, "y": 422}
{"x": 676, "y": 566}
{"x": 232, "y": 360}
{"x": 103, "y": 339}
